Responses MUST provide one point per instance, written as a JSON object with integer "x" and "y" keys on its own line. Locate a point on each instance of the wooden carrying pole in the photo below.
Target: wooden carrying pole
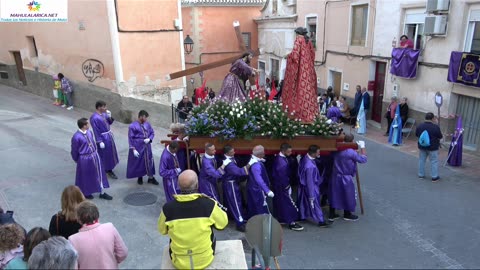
{"x": 359, "y": 192}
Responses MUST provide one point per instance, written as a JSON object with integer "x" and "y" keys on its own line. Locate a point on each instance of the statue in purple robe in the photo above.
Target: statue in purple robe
{"x": 231, "y": 188}
{"x": 309, "y": 193}
{"x": 140, "y": 156}
{"x": 257, "y": 184}
{"x": 233, "y": 86}
{"x": 284, "y": 208}
{"x": 334, "y": 112}
{"x": 209, "y": 174}
{"x": 90, "y": 175}
{"x": 342, "y": 188}
{"x": 101, "y": 121}
{"x": 169, "y": 170}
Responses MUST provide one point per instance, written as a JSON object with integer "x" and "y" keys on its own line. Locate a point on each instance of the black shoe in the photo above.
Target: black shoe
{"x": 295, "y": 227}
{"x": 140, "y": 180}
{"x": 350, "y": 217}
{"x": 112, "y": 175}
{"x": 333, "y": 217}
{"x": 241, "y": 228}
{"x": 90, "y": 197}
{"x": 421, "y": 177}
{"x": 324, "y": 224}
{"x": 153, "y": 181}
{"x": 105, "y": 196}
{"x": 435, "y": 179}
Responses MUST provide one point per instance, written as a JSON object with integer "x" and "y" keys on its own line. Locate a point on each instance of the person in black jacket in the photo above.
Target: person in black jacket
{"x": 183, "y": 108}
{"x": 404, "y": 110}
{"x": 431, "y": 151}
{"x": 65, "y": 222}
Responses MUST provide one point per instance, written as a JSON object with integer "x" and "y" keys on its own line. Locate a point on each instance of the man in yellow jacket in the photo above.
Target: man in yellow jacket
{"x": 188, "y": 221}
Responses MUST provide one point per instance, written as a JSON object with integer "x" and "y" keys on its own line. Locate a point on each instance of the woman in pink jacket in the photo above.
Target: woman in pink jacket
{"x": 99, "y": 246}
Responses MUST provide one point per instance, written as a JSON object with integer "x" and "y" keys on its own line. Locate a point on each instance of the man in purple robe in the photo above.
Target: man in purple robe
{"x": 284, "y": 208}
{"x": 101, "y": 121}
{"x": 309, "y": 193}
{"x": 257, "y": 184}
{"x": 169, "y": 170}
{"x": 334, "y": 112}
{"x": 231, "y": 187}
{"x": 233, "y": 86}
{"x": 209, "y": 174}
{"x": 140, "y": 157}
{"x": 342, "y": 189}
{"x": 90, "y": 177}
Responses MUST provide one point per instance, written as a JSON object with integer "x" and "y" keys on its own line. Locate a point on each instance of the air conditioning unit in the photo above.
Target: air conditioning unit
{"x": 437, "y": 6}
{"x": 435, "y": 25}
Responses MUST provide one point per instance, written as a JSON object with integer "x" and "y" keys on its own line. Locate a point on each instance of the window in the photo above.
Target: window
{"x": 359, "y": 21}
{"x": 247, "y": 39}
{"x": 275, "y": 69}
{"x": 472, "y": 41}
{"x": 413, "y": 27}
{"x": 311, "y": 26}
{"x": 261, "y": 69}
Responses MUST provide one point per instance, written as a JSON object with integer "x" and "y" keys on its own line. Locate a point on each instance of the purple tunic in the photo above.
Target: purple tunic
{"x": 231, "y": 190}
{"x": 325, "y": 165}
{"x": 342, "y": 189}
{"x": 232, "y": 87}
{"x": 334, "y": 114}
{"x": 207, "y": 181}
{"x": 101, "y": 129}
{"x": 144, "y": 164}
{"x": 456, "y": 146}
{"x": 90, "y": 172}
{"x": 257, "y": 189}
{"x": 308, "y": 191}
{"x": 283, "y": 205}
{"x": 167, "y": 171}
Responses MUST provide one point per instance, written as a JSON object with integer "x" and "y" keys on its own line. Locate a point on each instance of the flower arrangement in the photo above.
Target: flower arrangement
{"x": 255, "y": 117}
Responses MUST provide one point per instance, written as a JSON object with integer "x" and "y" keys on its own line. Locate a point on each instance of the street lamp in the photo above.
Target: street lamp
{"x": 188, "y": 44}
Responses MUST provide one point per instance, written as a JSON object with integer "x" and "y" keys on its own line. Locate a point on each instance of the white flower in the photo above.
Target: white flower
{"x": 238, "y": 115}
{"x": 231, "y": 113}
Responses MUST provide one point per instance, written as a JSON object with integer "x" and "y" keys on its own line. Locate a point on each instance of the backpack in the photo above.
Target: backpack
{"x": 424, "y": 139}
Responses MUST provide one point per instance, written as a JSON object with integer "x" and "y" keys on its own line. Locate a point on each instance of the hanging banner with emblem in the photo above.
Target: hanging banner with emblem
{"x": 464, "y": 68}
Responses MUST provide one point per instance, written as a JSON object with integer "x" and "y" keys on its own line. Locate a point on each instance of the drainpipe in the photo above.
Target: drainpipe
{"x": 117, "y": 58}
{"x": 182, "y": 49}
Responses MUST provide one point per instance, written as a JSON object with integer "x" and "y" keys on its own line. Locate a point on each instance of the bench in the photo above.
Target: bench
{"x": 228, "y": 255}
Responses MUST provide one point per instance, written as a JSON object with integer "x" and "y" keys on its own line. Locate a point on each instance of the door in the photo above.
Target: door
{"x": 380, "y": 69}
{"x": 19, "y": 64}
{"x": 469, "y": 109}
{"x": 337, "y": 83}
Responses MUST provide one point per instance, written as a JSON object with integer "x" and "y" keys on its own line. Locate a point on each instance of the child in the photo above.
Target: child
{"x": 57, "y": 91}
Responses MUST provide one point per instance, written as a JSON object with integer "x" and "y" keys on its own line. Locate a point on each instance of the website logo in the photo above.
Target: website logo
{"x": 33, "y": 6}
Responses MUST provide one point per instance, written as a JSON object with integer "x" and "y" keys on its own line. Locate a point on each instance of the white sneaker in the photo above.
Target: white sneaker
{"x": 70, "y": 108}
{"x": 63, "y": 106}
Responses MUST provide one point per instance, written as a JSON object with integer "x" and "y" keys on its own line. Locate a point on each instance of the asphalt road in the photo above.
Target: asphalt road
{"x": 409, "y": 223}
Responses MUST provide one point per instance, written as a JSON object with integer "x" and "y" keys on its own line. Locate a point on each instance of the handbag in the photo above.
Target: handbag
{"x": 55, "y": 93}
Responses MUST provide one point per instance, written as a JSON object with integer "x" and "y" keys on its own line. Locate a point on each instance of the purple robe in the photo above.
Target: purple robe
{"x": 207, "y": 180}
{"x": 334, "y": 114}
{"x": 456, "y": 146}
{"x": 90, "y": 172}
{"x": 325, "y": 165}
{"x": 342, "y": 189}
{"x": 231, "y": 190}
{"x": 101, "y": 128}
{"x": 257, "y": 189}
{"x": 167, "y": 170}
{"x": 182, "y": 158}
{"x": 232, "y": 87}
{"x": 144, "y": 164}
{"x": 284, "y": 208}
{"x": 308, "y": 191}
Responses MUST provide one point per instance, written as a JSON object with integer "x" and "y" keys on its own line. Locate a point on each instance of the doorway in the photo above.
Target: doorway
{"x": 378, "y": 90}
{"x": 19, "y": 64}
{"x": 335, "y": 79}
{"x": 469, "y": 109}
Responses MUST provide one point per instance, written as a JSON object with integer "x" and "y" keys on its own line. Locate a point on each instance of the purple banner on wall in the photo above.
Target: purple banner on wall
{"x": 404, "y": 62}
{"x": 464, "y": 68}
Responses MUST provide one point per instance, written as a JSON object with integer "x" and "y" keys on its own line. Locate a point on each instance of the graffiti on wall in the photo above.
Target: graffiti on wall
{"x": 92, "y": 69}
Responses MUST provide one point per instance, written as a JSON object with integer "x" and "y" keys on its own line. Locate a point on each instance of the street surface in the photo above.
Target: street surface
{"x": 408, "y": 222}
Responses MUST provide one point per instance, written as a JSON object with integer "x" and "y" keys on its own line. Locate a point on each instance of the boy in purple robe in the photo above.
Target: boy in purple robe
{"x": 209, "y": 174}
{"x": 140, "y": 157}
{"x": 231, "y": 187}
{"x": 284, "y": 208}
{"x": 90, "y": 176}
{"x": 169, "y": 170}
{"x": 309, "y": 193}
{"x": 342, "y": 189}
{"x": 334, "y": 112}
{"x": 257, "y": 184}
{"x": 233, "y": 84}
{"x": 101, "y": 121}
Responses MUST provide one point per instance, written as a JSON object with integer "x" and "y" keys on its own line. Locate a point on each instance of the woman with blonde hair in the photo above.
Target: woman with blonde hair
{"x": 65, "y": 223}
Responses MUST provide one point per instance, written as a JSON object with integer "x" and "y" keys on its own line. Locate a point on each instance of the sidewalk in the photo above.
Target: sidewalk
{"x": 470, "y": 160}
